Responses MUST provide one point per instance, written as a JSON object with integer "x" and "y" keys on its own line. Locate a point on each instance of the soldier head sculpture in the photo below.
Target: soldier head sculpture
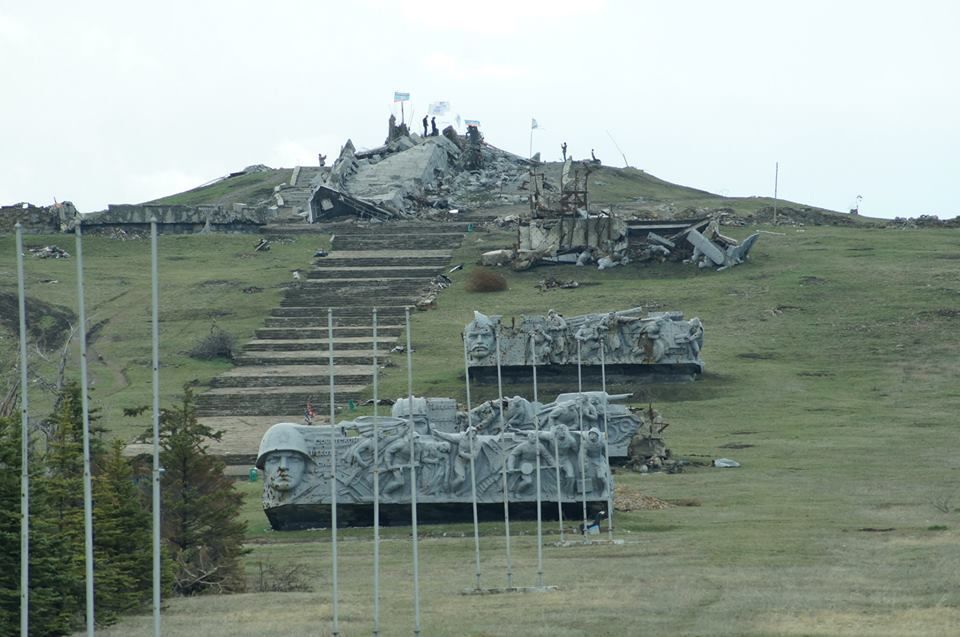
{"x": 480, "y": 337}
{"x": 283, "y": 457}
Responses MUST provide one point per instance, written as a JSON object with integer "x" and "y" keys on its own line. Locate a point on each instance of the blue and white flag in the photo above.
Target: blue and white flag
{"x": 472, "y": 122}
{"x": 439, "y": 108}
{"x": 533, "y": 124}
{"x": 401, "y": 97}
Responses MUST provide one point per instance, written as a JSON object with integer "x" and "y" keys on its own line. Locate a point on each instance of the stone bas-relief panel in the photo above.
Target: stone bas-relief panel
{"x": 451, "y": 451}
{"x": 626, "y": 341}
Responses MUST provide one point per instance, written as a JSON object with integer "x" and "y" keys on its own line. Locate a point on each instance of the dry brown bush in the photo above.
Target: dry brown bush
{"x": 484, "y": 280}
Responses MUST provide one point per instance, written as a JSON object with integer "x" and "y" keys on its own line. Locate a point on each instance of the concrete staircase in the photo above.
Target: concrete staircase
{"x": 382, "y": 266}
{"x": 295, "y": 196}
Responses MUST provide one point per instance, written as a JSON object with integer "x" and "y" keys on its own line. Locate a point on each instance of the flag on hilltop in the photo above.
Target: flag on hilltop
{"x": 533, "y": 124}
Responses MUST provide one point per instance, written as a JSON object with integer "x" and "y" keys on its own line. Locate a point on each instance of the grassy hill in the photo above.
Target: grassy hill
{"x": 248, "y": 188}
{"x": 831, "y": 376}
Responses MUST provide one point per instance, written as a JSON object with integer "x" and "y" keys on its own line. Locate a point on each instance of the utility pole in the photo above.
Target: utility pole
{"x": 776, "y": 182}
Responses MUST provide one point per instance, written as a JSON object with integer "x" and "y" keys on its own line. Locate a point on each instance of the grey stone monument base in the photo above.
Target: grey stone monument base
{"x": 296, "y": 517}
{"x": 512, "y": 589}
{"x": 592, "y": 375}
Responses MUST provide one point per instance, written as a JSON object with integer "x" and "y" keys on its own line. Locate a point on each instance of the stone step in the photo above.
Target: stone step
{"x": 295, "y": 375}
{"x": 429, "y": 242}
{"x": 376, "y": 272}
{"x": 345, "y": 342}
{"x": 387, "y": 260}
{"x": 264, "y": 401}
{"x": 308, "y": 357}
{"x": 320, "y": 322}
{"x": 319, "y": 331}
{"x": 396, "y": 227}
{"x": 339, "y": 311}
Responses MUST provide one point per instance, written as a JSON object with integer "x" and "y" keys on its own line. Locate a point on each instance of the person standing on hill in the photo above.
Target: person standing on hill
{"x": 424, "y": 125}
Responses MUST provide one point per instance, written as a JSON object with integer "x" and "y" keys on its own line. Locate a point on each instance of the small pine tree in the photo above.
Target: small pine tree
{"x": 123, "y": 547}
{"x": 201, "y": 507}
{"x": 61, "y": 486}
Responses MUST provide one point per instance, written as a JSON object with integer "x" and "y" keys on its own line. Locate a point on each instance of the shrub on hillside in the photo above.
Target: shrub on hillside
{"x": 216, "y": 344}
{"x": 484, "y": 280}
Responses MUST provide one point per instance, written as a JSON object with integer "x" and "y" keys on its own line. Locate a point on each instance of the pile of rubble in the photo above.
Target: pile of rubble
{"x": 608, "y": 241}
{"x": 49, "y": 252}
{"x": 412, "y": 175}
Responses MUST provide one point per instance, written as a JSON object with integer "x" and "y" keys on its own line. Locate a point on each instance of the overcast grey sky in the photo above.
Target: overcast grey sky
{"x": 122, "y": 102}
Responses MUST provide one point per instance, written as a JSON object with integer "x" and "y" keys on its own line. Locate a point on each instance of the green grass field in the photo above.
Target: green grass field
{"x": 831, "y": 376}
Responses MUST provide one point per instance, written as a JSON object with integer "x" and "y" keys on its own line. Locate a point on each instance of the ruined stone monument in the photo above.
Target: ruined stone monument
{"x": 632, "y": 345}
{"x": 454, "y": 453}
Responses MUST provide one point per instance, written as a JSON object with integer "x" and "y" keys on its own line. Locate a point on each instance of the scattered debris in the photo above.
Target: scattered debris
{"x": 262, "y": 246}
{"x": 551, "y": 283}
{"x": 252, "y": 290}
{"x": 320, "y": 253}
{"x": 455, "y": 268}
{"x": 725, "y": 463}
{"x": 49, "y": 252}
{"x": 382, "y": 401}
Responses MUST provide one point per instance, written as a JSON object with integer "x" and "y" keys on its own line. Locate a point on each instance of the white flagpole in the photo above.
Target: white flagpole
{"x": 376, "y": 485}
{"x": 536, "y": 428}
{"x": 24, "y": 449}
{"x": 606, "y": 440}
{"x": 413, "y": 485}
{"x": 503, "y": 460}
{"x": 333, "y": 478}
{"x": 473, "y": 471}
{"x": 155, "y": 333}
{"x": 583, "y": 477}
{"x": 87, "y": 487}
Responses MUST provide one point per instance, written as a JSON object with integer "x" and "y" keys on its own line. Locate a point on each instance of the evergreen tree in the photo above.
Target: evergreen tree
{"x": 61, "y": 489}
{"x": 123, "y": 547}
{"x": 51, "y": 577}
{"x": 201, "y": 507}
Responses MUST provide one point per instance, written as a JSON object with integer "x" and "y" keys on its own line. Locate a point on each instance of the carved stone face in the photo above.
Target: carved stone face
{"x": 285, "y": 469}
{"x": 480, "y": 338}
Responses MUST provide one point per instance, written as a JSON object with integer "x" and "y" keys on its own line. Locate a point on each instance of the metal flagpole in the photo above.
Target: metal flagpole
{"x": 333, "y": 478}
{"x": 583, "y": 476}
{"x": 87, "y": 490}
{"x": 606, "y": 439}
{"x": 536, "y": 429}
{"x": 473, "y": 472}
{"x": 413, "y": 485}
{"x": 503, "y": 460}
{"x": 376, "y": 485}
{"x": 24, "y": 449}
{"x": 556, "y": 456}
{"x": 776, "y": 183}
{"x": 155, "y": 333}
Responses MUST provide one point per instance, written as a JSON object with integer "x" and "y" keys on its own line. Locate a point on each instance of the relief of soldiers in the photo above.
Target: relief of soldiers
{"x": 480, "y": 337}
{"x": 397, "y": 458}
{"x": 556, "y": 329}
{"x": 566, "y": 447}
{"x": 433, "y": 466}
{"x": 653, "y": 340}
{"x": 595, "y": 461}
{"x": 523, "y": 460}
{"x": 588, "y": 336}
{"x": 285, "y": 461}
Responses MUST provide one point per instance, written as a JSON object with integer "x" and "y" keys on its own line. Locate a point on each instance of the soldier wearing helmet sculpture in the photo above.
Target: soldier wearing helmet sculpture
{"x": 285, "y": 461}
